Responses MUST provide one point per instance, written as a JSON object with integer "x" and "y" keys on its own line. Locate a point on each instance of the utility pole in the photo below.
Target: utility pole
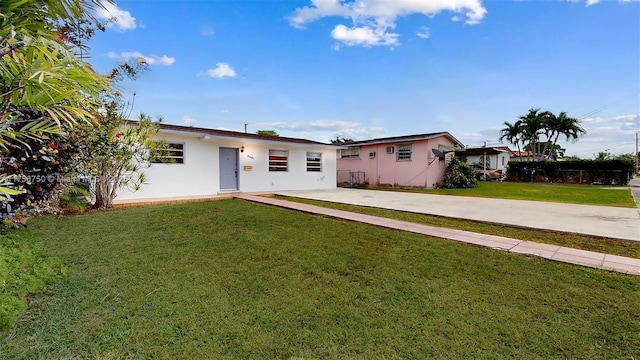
{"x": 484, "y": 160}
{"x": 637, "y": 156}
{"x": 245, "y": 127}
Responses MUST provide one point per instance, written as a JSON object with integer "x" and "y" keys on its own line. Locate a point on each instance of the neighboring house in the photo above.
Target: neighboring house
{"x": 496, "y": 157}
{"x": 398, "y": 161}
{"x": 527, "y": 156}
{"x": 206, "y": 162}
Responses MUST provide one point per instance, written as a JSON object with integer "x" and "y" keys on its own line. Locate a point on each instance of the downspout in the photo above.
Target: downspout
{"x": 426, "y": 176}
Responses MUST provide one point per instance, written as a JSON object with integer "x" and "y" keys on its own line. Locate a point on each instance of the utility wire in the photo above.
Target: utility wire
{"x": 602, "y": 108}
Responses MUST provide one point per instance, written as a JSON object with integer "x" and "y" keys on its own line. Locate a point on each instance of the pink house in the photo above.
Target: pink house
{"x": 412, "y": 160}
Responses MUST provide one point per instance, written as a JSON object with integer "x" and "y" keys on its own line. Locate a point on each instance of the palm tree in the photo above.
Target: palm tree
{"x": 43, "y": 87}
{"x": 531, "y": 126}
{"x": 511, "y": 133}
{"x": 560, "y": 124}
{"x": 570, "y": 128}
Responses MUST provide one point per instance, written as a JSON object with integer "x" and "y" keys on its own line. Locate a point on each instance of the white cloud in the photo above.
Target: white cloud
{"x": 364, "y": 36}
{"x": 593, "y": 2}
{"x": 118, "y": 18}
{"x": 324, "y": 130}
{"x": 188, "y": 120}
{"x": 424, "y": 32}
{"x": 207, "y": 31}
{"x": 149, "y": 59}
{"x": 222, "y": 70}
{"x": 372, "y": 18}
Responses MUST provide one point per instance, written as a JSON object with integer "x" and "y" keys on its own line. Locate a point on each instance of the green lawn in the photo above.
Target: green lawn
{"x": 231, "y": 279}
{"x": 574, "y": 194}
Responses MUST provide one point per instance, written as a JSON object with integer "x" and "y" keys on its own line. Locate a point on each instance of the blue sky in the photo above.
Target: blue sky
{"x": 373, "y": 68}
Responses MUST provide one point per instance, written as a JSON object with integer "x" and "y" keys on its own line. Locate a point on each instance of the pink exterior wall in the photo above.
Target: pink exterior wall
{"x": 384, "y": 169}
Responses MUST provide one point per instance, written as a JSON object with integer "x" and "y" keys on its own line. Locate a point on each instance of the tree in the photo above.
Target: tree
{"x": 116, "y": 153}
{"x": 553, "y": 151}
{"x": 267, "y": 132}
{"x": 459, "y": 175}
{"x": 511, "y": 133}
{"x": 561, "y": 124}
{"x": 531, "y": 126}
{"x": 339, "y": 140}
{"x": 44, "y": 89}
{"x": 603, "y": 156}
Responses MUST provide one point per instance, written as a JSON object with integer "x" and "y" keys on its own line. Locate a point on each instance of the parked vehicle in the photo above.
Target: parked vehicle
{"x": 491, "y": 174}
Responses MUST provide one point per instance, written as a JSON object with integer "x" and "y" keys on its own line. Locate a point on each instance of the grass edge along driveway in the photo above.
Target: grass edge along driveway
{"x": 231, "y": 279}
{"x": 601, "y": 195}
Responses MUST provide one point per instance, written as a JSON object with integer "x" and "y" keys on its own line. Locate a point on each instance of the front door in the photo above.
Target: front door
{"x": 228, "y": 169}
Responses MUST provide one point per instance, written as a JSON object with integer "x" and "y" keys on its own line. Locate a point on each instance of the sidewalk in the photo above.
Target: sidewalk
{"x": 551, "y": 252}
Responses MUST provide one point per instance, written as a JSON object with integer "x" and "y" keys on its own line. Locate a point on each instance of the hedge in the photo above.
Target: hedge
{"x": 610, "y": 172}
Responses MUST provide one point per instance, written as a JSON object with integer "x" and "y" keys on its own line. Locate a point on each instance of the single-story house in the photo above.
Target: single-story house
{"x": 496, "y": 157}
{"x": 527, "y": 156}
{"x": 411, "y": 160}
{"x": 207, "y": 162}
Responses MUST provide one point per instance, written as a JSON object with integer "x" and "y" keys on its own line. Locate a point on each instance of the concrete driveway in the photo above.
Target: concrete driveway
{"x": 606, "y": 221}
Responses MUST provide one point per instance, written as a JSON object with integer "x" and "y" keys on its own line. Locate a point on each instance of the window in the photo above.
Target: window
{"x": 173, "y": 154}
{"x": 314, "y": 162}
{"x": 503, "y": 160}
{"x": 350, "y": 153}
{"x": 372, "y": 154}
{"x": 404, "y": 152}
{"x": 390, "y": 149}
{"x": 278, "y": 160}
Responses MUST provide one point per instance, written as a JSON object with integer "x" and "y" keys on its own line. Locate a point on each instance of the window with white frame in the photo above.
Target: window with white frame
{"x": 314, "y": 161}
{"x": 390, "y": 149}
{"x": 372, "y": 155}
{"x": 404, "y": 152}
{"x": 278, "y": 160}
{"x": 350, "y": 153}
{"x": 173, "y": 153}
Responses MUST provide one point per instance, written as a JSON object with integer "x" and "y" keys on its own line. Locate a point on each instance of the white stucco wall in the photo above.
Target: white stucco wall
{"x": 199, "y": 174}
{"x": 498, "y": 161}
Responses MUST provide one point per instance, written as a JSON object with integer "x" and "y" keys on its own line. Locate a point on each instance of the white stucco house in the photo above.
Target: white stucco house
{"x": 208, "y": 162}
{"x": 496, "y": 157}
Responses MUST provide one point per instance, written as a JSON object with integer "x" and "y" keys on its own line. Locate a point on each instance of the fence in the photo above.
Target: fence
{"x": 348, "y": 178}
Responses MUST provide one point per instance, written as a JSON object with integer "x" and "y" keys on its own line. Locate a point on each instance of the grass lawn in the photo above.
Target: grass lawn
{"x": 608, "y": 246}
{"x": 231, "y": 279}
{"x": 574, "y": 194}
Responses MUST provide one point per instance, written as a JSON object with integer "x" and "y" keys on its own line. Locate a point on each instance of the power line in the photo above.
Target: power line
{"x": 600, "y": 109}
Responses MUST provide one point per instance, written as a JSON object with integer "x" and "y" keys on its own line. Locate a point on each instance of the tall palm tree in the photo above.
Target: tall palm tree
{"x": 570, "y": 128}
{"x": 552, "y": 127}
{"x": 531, "y": 126}
{"x": 511, "y": 133}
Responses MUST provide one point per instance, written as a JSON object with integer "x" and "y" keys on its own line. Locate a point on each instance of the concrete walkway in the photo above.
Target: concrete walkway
{"x": 634, "y": 185}
{"x": 604, "y": 221}
{"x": 551, "y": 252}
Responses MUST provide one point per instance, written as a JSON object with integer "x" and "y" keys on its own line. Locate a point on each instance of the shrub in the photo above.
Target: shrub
{"x": 459, "y": 175}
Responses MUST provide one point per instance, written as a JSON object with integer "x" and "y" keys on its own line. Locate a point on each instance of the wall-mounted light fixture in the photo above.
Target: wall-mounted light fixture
{"x": 242, "y": 148}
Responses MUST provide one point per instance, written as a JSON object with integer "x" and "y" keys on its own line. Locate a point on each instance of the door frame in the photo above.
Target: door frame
{"x": 237, "y": 166}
